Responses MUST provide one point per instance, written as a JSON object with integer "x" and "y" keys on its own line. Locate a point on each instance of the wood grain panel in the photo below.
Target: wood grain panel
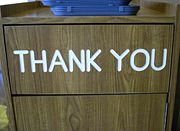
{"x": 93, "y": 37}
{"x": 90, "y": 113}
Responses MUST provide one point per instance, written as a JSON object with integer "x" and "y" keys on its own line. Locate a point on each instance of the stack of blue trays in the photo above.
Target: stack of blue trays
{"x": 91, "y": 7}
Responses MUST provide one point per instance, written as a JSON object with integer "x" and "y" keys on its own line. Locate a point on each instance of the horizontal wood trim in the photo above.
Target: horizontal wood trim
{"x": 88, "y": 19}
{"x": 165, "y": 1}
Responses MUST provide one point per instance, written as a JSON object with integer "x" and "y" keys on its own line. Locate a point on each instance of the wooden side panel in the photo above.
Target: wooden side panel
{"x": 90, "y": 113}
{"x": 93, "y": 37}
{"x": 164, "y": 7}
{"x": 3, "y": 62}
{"x": 173, "y": 81}
{"x": 13, "y": 9}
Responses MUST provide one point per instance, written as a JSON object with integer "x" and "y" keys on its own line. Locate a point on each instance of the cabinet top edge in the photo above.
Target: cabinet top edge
{"x": 87, "y": 20}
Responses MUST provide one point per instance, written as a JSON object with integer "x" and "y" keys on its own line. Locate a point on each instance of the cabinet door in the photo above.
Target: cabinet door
{"x": 93, "y": 37}
{"x": 90, "y": 113}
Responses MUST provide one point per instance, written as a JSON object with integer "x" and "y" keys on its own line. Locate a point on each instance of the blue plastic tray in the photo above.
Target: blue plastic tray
{"x": 85, "y": 2}
{"x": 94, "y": 10}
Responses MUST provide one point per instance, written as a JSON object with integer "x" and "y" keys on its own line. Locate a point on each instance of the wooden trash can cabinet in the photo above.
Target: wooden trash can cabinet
{"x": 89, "y": 73}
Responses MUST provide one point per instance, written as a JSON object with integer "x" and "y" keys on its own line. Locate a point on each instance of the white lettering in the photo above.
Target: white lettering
{"x": 119, "y": 58}
{"x": 61, "y": 62}
{"x": 132, "y": 59}
{"x": 21, "y": 54}
{"x": 90, "y": 60}
{"x": 87, "y": 60}
{"x": 153, "y": 60}
{"x": 73, "y": 57}
{"x": 34, "y": 62}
